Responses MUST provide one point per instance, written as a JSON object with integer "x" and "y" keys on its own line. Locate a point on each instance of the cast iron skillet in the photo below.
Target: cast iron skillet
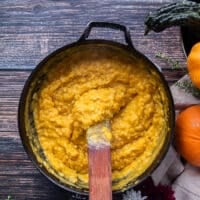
{"x": 32, "y": 85}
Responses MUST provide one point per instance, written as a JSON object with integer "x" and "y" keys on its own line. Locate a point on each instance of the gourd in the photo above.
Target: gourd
{"x": 187, "y": 134}
{"x": 193, "y": 64}
{"x": 186, "y": 13}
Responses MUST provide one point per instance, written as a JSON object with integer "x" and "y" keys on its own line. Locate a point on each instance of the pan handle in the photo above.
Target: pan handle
{"x": 111, "y": 25}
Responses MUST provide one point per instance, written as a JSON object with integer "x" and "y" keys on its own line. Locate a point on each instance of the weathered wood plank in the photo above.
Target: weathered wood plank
{"x": 11, "y": 84}
{"x": 19, "y": 177}
{"x": 172, "y": 75}
{"x": 30, "y": 30}
{"x": 31, "y": 187}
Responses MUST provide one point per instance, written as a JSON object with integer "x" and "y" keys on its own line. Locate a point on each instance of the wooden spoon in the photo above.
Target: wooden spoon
{"x": 100, "y": 181}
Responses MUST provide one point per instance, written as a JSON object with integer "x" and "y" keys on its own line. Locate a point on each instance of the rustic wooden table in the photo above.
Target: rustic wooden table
{"x": 29, "y": 31}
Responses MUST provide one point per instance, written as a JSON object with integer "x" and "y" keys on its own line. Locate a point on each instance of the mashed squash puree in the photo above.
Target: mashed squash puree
{"x": 88, "y": 88}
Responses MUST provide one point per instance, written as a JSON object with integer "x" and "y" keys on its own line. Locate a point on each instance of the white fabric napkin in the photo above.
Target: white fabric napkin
{"x": 187, "y": 185}
{"x": 169, "y": 168}
{"x": 185, "y": 180}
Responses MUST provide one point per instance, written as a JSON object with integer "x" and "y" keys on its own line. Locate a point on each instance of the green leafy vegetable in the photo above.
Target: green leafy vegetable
{"x": 173, "y": 63}
{"x": 183, "y": 13}
{"x": 188, "y": 87}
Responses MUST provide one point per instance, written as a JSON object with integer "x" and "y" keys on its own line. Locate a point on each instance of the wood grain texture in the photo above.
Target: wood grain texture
{"x": 100, "y": 178}
{"x": 29, "y": 31}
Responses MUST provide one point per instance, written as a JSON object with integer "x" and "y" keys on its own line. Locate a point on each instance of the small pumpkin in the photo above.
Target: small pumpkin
{"x": 187, "y": 134}
{"x": 193, "y": 64}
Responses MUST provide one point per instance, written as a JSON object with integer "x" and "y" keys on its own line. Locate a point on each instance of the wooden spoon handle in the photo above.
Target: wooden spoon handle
{"x": 100, "y": 181}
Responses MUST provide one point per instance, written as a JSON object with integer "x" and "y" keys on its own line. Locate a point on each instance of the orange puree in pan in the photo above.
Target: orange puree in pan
{"x": 88, "y": 88}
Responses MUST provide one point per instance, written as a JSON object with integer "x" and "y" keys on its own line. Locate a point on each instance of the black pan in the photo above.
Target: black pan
{"x": 25, "y": 115}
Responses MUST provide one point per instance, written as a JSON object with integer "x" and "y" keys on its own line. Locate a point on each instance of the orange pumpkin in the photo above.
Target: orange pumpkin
{"x": 187, "y": 134}
{"x": 193, "y": 64}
